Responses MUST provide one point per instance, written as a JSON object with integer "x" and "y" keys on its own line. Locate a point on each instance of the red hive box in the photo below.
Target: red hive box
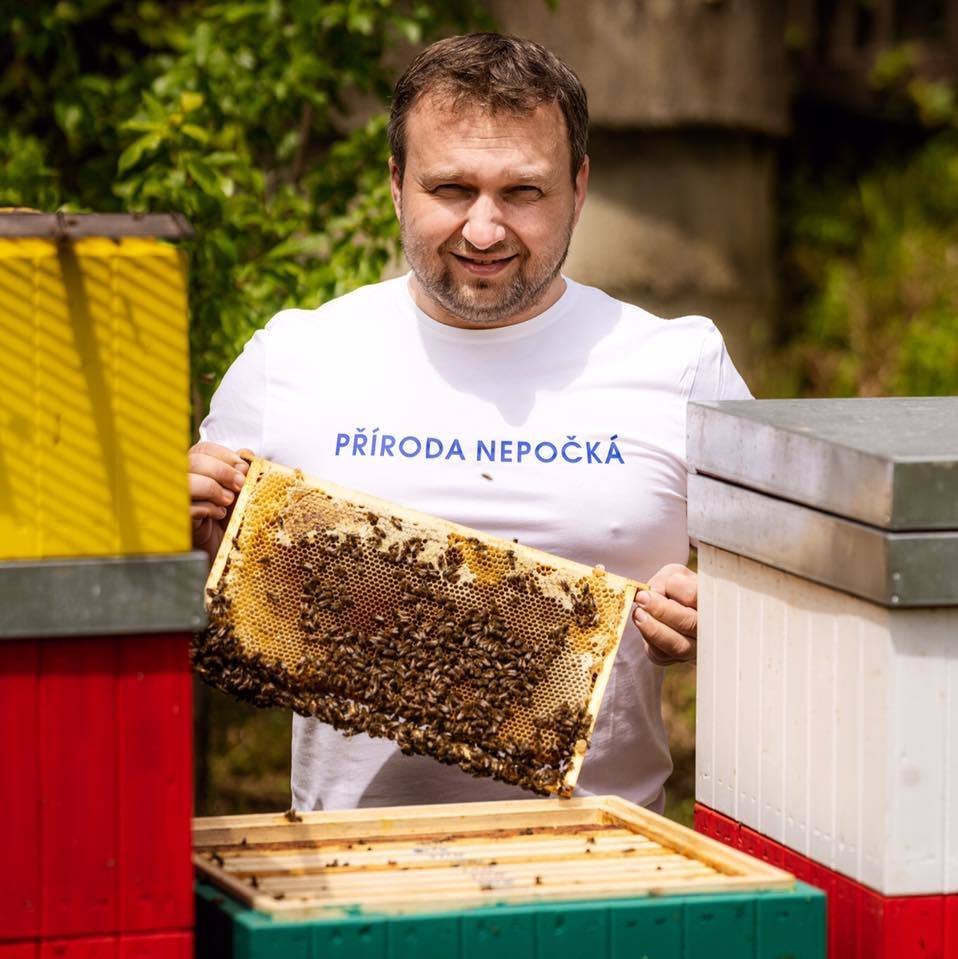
{"x": 96, "y": 778}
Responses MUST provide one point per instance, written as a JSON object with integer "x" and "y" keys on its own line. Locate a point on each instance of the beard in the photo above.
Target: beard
{"x": 480, "y": 301}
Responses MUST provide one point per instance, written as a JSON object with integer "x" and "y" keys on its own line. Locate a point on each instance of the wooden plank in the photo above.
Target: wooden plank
{"x": 84, "y": 947}
{"x": 395, "y": 869}
{"x": 258, "y": 860}
{"x": 636, "y": 930}
{"x": 771, "y": 731}
{"x": 78, "y": 775}
{"x": 334, "y": 882}
{"x": 18, "y": 950}
{"x": 154, "y": 722}
{"x": 56, "y": 225}
{"x": 20, "y": 789}
{"x": 581, "y": 929}
{"x": 395, "y": 821}
{"x": 163, "y": 945}
{"x": 719, "y": 927}
{"x": 688, "y": 842}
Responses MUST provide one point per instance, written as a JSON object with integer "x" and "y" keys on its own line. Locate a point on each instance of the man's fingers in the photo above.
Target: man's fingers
{"x": 677, "y": 616}
{"x": 658, "y": 658}
{"x": 663, "y": 644}
{"x": 676, "y": 582}
{"x": 223, "y": 453}
{"x": 203, "y": 488}
{"x": 227, "y": 475}
{"x": 204, "y": 509}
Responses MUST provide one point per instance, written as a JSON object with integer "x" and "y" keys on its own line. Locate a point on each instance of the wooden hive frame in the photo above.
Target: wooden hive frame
{"x": 597, "y": 644}
{"x": 411, "y": 859}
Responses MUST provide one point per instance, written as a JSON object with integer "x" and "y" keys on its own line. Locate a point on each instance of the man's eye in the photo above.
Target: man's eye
{"x": 526, "y": 192}
{"x": 449, "y": 189}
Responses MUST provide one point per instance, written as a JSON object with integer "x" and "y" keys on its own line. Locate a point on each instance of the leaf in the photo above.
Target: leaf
{"x": 191, "y": 101}
{"x": 204, "y": 175}
{"x": 314, "y": 245}
{"x": 197, "y": 133}
{"x": 136, "y": 150}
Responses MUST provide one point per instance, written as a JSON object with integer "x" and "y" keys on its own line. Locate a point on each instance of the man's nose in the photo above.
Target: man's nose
{"x": 483, "y": 227}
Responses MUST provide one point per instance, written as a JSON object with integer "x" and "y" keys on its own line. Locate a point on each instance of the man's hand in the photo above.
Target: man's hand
{"x": 667, "y": 615}
{"x": 216, "y": 475}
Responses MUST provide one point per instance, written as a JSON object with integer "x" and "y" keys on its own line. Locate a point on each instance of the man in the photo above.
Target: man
{"x": 488, "y": 389}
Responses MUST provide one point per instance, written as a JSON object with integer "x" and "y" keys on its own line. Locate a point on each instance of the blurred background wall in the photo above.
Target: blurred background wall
{"x": 688, "y": 101}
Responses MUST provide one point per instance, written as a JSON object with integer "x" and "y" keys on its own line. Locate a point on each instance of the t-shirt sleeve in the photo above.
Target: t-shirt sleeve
{"x": 237, "y": 410}
{"x": 715, "y": 375}
{"x": 716, "y": 378}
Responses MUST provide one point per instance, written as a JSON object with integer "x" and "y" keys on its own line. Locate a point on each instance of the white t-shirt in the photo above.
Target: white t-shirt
{"x": 566, "y": 431}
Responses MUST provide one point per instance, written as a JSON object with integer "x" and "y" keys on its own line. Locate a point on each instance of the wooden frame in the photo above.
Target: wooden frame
{"x": 438, "y": 530}
{"x": 420, "y": 858}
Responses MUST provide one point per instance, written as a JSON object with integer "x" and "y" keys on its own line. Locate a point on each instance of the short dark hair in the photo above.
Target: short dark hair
{"x": 500, "y": 73}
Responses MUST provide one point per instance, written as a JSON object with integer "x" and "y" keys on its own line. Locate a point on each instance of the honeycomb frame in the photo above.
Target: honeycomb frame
{"x": 477, "y": 651}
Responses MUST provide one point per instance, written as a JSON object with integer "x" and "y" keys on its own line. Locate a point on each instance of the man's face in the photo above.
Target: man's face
{"x": 486, "y": 208}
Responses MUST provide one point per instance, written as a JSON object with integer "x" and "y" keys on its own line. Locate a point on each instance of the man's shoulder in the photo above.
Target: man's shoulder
{"x": 363, "y": 302}
{"x": 635, "y": 320}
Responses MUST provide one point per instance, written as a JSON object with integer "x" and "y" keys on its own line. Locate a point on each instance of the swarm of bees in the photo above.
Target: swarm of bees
{"x": 375, "y": 619}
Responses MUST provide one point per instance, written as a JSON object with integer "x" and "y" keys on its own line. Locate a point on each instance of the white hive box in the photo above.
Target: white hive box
{"x": 827, "y": 714}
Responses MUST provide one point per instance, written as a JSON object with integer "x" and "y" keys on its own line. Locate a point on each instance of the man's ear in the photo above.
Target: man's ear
{"x": 395, "y": 187}
{"x": 580, "y": 186}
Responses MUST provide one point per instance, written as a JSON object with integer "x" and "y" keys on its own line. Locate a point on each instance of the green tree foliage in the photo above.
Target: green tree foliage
{"x": 872, "y": 261}
{"x": 241, "y": 115}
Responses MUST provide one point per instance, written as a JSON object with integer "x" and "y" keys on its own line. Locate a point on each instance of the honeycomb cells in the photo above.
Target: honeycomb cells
{"x": 378, "y": 619}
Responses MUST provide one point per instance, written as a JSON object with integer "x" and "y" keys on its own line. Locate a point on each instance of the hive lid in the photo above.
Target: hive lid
{"x": 72, "y": 225}
{"x": 889, "y": 462}
{"x": 895, "y": 569}
{"x": 421, "y": 858}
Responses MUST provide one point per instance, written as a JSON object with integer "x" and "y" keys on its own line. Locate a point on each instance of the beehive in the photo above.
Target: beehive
{"x": 410, "y": 859}
{"x": 378, "y": 619}
{"x": 828, "y": 665}
{"x": 529, "y": 879}
{"x": 98, "y": 592}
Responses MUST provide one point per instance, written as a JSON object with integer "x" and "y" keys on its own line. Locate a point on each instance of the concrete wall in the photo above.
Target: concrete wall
{"x": 688, "y": 98}
{"x": 665, "y": 63}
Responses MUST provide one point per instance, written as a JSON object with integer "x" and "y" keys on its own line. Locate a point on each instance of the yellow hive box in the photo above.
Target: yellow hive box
{"x": 94, "y": 415}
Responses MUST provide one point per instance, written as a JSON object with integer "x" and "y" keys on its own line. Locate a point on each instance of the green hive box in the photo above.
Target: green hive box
{"x": 760, "y": 925}
{"x": 596, "y": 878}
